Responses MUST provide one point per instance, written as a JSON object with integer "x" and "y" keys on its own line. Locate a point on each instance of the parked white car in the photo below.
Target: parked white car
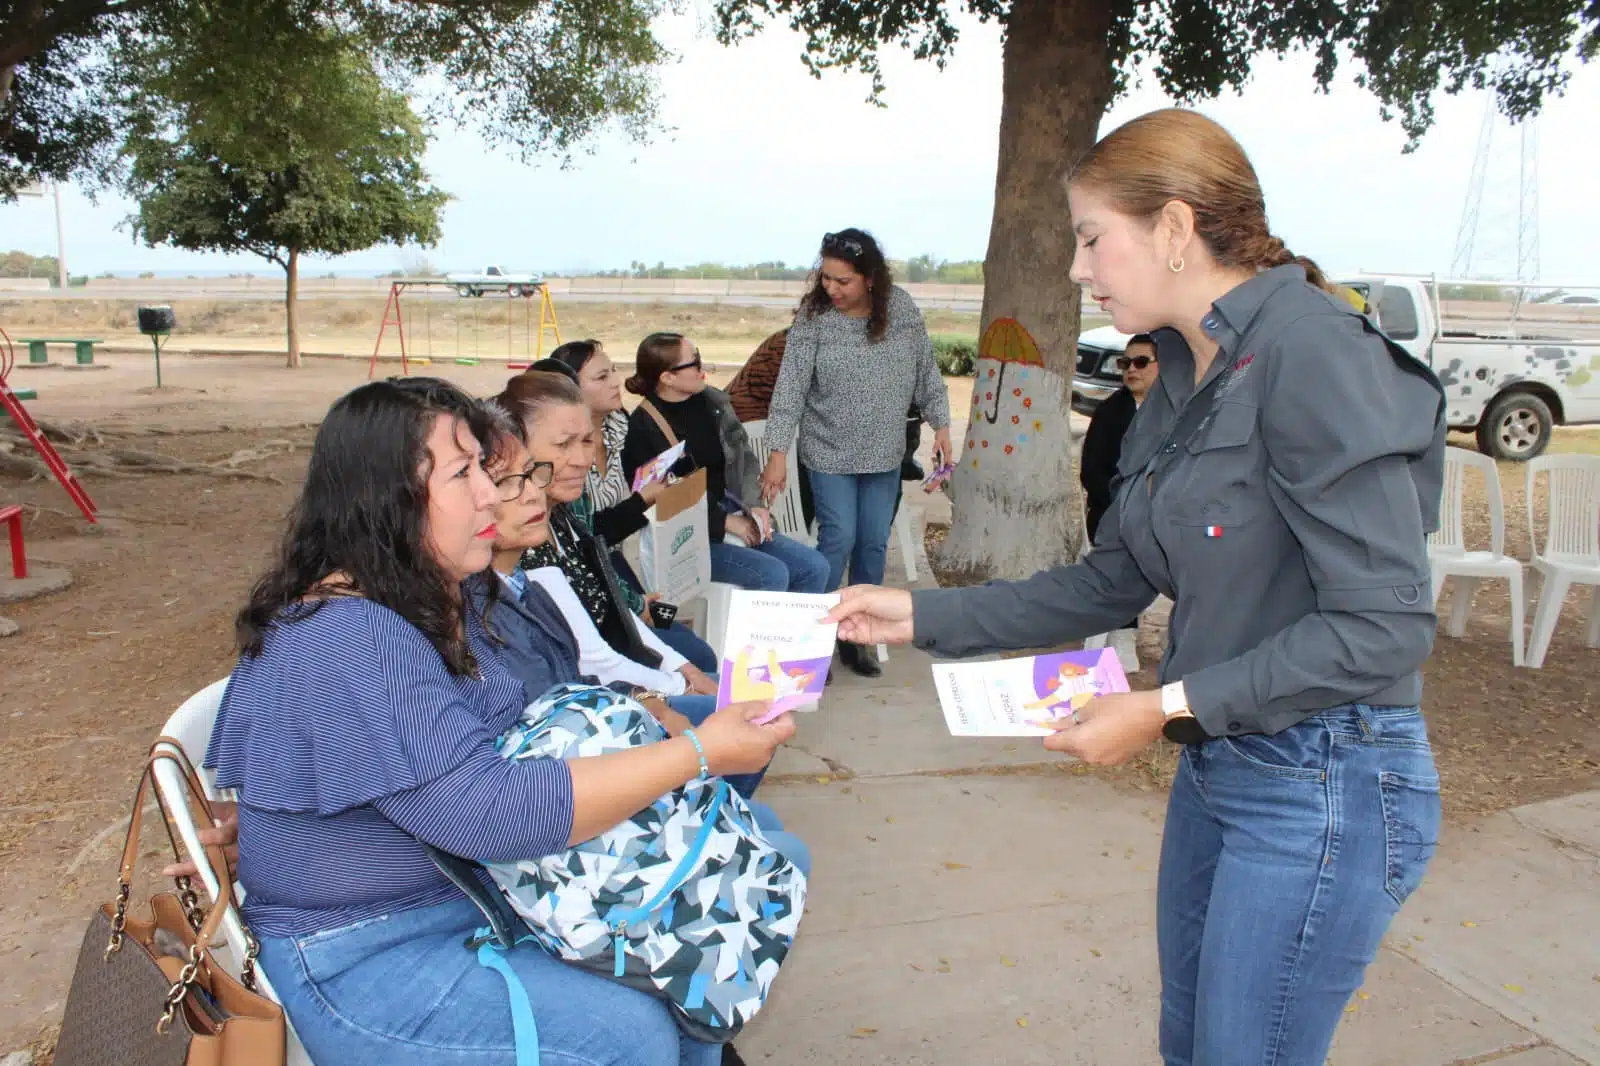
{"x": 495, "y": 279}
{"x": 1512, "y": 369}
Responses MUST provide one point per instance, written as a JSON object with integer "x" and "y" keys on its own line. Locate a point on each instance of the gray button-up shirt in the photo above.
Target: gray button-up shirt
{"x": 1283, "y": 504}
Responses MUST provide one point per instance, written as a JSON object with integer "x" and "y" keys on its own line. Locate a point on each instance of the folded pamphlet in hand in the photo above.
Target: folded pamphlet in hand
{"x": 1006, "y": 698}
{"x": 777, "y": 650}
{"x": 658, "y": 468}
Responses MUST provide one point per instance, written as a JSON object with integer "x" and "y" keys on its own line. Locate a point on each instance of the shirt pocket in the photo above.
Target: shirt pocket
{"x": 1224, "y": 471}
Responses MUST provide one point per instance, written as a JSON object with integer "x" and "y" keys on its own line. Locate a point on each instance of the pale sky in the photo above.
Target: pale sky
{"x": 759, "y": 159}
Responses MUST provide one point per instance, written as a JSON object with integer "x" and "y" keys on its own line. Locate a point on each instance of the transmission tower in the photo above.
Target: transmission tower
{"x": 1505, "y": 237}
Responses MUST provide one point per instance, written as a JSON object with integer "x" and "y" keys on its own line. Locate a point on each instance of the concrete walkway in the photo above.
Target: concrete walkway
{"x": 966, "y": 910}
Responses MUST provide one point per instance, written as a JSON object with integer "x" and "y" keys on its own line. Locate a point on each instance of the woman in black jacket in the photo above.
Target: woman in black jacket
{"x": 1102, "y": 447}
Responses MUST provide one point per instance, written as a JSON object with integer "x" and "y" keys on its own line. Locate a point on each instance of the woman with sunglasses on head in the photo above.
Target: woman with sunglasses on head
{"x": 678, "y": 404}
{"x": 1102, "y": 446}
{"x": 856, "y": 360}
{"x": 1278, "y": 484}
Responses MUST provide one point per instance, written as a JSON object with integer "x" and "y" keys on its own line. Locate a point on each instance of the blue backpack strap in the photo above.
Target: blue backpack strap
{"x": 619, "y": 919}
{"x": 525, "y": 1031}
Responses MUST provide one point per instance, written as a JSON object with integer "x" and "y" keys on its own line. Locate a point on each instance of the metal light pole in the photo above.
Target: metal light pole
{"x": 62, "y": 278}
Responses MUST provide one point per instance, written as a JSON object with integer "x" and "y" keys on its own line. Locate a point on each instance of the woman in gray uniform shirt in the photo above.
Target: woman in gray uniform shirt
{"x": 1278, "y": 484}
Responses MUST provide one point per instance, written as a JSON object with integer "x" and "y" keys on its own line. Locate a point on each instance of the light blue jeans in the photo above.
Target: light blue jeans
{"x": 854, "y": 516}
{"x": 1283, "y": 862}
{"x": 782, "y": 564}
{"x": 403, "y": 990}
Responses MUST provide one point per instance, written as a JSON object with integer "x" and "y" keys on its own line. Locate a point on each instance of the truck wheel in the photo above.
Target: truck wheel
{"x": 463, "y": 290}
{"x": 513, "y": 291}
{"x": 1517, "y": 426}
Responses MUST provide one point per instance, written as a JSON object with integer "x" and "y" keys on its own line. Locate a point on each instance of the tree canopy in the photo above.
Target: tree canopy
{"x": 319, "y": 156}
{"x": 1404, "y": 50}
{"x": 531, "y": 75}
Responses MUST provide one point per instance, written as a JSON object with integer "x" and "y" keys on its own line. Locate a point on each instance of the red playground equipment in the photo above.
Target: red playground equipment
{"x": 35, "y": 436}
{"x": 479, "y": 343}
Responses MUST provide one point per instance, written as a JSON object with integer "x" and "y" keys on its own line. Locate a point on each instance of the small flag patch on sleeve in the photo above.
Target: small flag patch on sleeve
{"x": 1213, "y": 531}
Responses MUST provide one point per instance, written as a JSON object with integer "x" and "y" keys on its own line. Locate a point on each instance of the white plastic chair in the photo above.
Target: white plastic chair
{"x": 1449, "y": 556}
{"x": 1572, "y": 544}
{"x": 789, "y": 517}
{"x": 191, "y": 727}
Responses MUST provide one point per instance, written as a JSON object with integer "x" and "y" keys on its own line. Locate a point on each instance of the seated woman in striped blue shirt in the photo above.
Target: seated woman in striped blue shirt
{"x": 360, "y": 724}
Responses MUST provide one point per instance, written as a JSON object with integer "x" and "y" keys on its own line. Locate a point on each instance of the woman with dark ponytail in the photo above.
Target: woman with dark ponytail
{"x": 1278, "y": 483}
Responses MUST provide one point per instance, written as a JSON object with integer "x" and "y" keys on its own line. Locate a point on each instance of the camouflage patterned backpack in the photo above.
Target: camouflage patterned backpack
{"x": 685, "y": 900}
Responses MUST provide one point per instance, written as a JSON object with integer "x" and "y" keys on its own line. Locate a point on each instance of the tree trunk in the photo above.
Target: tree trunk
{"x": 291, "y": 306}
{"x": 1015, "y": 490}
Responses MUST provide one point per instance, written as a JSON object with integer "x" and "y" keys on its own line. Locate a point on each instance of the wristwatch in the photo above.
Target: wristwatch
{"x": 1181, "y": 726}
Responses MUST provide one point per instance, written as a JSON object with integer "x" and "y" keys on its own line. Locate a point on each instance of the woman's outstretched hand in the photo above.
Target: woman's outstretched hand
{"x": 736, "y": 745}
{"x": 871, "y": 614}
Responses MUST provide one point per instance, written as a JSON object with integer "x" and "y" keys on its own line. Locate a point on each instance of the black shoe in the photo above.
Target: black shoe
{"x": 863, "y": 661}
{"x": 731, "y": 1057}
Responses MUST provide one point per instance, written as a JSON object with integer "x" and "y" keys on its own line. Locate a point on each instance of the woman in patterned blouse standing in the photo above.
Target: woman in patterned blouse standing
{"x": 858, "y": 356}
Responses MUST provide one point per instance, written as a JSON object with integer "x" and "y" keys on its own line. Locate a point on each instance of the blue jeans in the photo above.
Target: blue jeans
{"x": 697, "y": 709}
{"x": 779, "y": 565}
{"x": 1283, "y": 862}
{"x": 681, "y": 639}
{"x": 402, "y": 990}
{"x": 854, "y": 513}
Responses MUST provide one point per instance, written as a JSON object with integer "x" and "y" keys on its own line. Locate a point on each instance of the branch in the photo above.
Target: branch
{"x": 35, "y": 37}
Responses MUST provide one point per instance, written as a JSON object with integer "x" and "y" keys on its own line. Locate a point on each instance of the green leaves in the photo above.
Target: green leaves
{"x": 312, "y": 153}
{"x": 535, "y": 75}
{"x": 1404, "y": 51}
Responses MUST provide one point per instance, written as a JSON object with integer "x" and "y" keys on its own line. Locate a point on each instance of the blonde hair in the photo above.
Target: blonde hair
{"x": 1174, "y": 154}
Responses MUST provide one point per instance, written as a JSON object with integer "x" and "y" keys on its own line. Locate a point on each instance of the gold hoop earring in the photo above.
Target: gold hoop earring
{"x": 1176, "y": 266}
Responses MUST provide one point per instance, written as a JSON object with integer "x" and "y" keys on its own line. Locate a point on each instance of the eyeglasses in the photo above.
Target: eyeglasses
{"x": 1138, "y": 362}
{"x": 693, "y": 364}
{"x": 847, "y": 244}
{"x": 512, "y": 486}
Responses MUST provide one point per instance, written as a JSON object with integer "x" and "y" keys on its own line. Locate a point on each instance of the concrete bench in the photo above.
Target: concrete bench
{"x": 25, "y": 394}
{"x": 84, "y": 347}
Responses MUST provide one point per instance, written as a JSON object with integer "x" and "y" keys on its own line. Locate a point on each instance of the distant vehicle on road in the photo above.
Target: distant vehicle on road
{"x": 1512, "y": 370}
{"x": 495, "y": 279}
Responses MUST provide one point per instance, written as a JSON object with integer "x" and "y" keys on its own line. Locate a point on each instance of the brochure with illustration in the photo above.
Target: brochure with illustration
{"x": 658, "y": 468}
{"x": 777, "y": 649}
{"x": 1005, "y": 698}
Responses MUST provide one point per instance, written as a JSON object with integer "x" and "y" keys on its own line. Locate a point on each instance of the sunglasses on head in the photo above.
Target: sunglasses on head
{"x": 1138, "y": 362}
{"x": 834, "y": 242}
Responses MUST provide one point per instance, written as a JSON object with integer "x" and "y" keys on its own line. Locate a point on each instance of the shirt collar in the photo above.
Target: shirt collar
{"x": 517, "y": 581}
{"x": 1228, "y": 320}
{"x": 1231, "y": 315}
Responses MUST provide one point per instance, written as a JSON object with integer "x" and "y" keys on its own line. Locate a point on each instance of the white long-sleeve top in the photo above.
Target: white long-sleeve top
{"x": 598, "y": 658}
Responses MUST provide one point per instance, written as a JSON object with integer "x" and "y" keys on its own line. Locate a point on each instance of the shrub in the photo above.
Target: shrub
{"x": 956, "y": 353}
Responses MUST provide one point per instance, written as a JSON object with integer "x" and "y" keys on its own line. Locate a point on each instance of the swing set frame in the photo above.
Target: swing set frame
{"x": 394, "y": 315}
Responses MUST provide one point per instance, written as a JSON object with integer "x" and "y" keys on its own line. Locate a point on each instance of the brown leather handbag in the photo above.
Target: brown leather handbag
{"x": 147, "y": 992}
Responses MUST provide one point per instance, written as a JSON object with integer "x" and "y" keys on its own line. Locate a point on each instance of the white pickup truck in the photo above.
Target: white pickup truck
{"x": 494, "y": 278}
{"x": 1513, "y": 368}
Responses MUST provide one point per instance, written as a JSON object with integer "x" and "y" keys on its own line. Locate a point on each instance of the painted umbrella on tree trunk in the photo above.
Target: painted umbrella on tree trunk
{"x": 1006, "y": 406}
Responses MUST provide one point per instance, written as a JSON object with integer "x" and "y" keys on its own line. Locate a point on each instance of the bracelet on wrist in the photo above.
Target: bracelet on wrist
{"x": 700, "y": 751}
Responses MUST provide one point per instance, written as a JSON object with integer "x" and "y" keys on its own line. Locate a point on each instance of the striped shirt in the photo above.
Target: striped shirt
{"x": 349, "y": 741}
{"x": 609, "y": 487}
{"x": 848, "y": 397}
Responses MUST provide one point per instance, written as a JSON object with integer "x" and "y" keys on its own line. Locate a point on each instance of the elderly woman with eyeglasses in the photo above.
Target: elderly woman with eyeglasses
{"x": 858, "y": 356}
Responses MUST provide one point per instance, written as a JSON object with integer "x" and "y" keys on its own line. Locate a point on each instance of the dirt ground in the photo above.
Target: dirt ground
{"x": 95, "y": 670}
